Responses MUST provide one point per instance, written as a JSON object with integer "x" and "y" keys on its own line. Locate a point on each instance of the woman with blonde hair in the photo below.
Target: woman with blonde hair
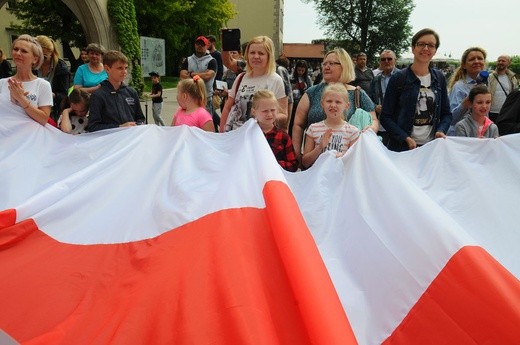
{"x": 260, "y": 74}
{"x": 32, "y": 94}
{"x": 337, "y": 67}
{"x": 473, "y": 61}
{"x": 55, "y": 71}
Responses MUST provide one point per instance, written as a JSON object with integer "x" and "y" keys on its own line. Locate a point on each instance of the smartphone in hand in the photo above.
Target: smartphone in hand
{"x": 230, "y": 39}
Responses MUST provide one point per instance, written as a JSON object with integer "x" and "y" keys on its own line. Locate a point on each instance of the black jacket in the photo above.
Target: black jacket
{"x": 5, "y": 69}
{"x": 110, "y": 108}
{"x": 60, "y": 85}
{"x": 508, "y": 120}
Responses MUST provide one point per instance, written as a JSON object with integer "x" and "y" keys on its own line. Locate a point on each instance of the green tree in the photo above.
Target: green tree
{"x": 122, "y": 14}
{"x": 179, "y": 22}
{"x": 367, "y": 25}
{"x": 54, "y": 19}
{"x": 176, "y": 21}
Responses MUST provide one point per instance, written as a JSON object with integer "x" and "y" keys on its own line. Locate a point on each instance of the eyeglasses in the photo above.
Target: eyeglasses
{"x": 330, "y": 63}
{"x": 423, "y": 45}
{"x": 386, "y": 59}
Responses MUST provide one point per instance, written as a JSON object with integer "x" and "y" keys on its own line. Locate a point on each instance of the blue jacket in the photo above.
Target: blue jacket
{"x": 400, "y": 106}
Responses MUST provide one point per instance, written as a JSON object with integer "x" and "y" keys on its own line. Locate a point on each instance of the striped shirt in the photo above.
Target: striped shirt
{"x": 341, "y": 139}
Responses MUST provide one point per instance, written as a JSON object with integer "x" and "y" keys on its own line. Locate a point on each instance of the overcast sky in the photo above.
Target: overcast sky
{"x": 491, "y": 25}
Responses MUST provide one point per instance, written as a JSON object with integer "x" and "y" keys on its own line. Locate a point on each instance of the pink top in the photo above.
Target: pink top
{"x": 198, "y": 118}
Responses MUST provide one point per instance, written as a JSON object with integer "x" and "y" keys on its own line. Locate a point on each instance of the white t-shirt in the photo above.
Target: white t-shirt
{"x": 422, "y": 131}
{"x": 39, "y": 91}
{"x": 241, "y": 110}
{"x": 500, "y": 96}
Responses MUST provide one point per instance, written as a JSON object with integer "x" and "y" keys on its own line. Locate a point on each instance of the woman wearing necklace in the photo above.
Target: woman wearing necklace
{"x": 55, "y": 71}
{"x": 88, "y": 76}
{"x": 32, "y": 94}
{"x": 416, "y": 107}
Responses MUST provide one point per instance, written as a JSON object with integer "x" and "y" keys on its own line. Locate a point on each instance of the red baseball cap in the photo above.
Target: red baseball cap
{"x": 203, "y": 39}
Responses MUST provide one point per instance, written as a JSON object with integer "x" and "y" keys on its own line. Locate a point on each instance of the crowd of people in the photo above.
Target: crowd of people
{"x": 301, "y": 115}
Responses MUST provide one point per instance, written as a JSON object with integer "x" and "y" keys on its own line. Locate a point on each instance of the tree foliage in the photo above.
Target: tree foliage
{"x": 367, "y": 25}
{"x": 51, "y": 18}
{"x": 122, "y": 14}
{"x": 179, "y": 22}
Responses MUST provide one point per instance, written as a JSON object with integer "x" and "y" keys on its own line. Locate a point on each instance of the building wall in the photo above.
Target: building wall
{"x": 259, "y": 17}
{"x": 92, "y": 15}
{"x": 6, "y": 34}
{"x": 7, "y": 17}
{"x": 254, "y": 18}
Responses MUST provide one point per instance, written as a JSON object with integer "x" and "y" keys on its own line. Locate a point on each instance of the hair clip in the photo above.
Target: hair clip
{"x": 196, "y": 77}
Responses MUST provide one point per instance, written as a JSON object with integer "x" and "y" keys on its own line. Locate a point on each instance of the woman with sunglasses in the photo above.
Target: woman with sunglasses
{"x": 416, "y": 108}
{"x": 337, "y": 67}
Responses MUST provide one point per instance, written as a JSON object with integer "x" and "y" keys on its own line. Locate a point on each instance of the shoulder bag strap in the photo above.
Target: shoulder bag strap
{"x": 239, "y": 80}
{"x": 499, "y": 83}
{"x": 357, "y": 93}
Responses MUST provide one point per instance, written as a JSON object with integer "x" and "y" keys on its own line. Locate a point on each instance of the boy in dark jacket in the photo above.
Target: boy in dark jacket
{"x": 114, "y": 104}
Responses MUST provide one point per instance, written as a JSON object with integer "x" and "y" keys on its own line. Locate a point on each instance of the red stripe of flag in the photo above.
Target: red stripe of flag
{"x": 237, "y": 276}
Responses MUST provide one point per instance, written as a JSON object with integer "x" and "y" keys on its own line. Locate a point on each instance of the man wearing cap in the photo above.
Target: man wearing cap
{"x": 201, "y": 63}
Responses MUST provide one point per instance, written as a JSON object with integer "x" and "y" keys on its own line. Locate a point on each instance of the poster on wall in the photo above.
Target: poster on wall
{"x": 152, "y": 55}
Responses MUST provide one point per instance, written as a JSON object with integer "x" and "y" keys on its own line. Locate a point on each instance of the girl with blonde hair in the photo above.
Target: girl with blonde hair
{"x": 332, "y": 133}
{"x": 264, "y": 110}
{"x": 337, "y": 67}
{"x": 191, "y": 96}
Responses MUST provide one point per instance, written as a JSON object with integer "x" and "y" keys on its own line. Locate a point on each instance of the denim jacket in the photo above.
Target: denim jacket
{"x": 400, "y": 106}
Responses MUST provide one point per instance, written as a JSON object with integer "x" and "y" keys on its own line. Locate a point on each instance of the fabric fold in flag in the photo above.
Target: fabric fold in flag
{"x": 417, "y": 253}
{"x": 117, "y": 246}
{"x": 173, "y": 235}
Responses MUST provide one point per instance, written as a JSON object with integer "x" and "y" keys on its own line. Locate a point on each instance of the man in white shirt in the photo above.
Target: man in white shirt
{"x": 501, "y": 82}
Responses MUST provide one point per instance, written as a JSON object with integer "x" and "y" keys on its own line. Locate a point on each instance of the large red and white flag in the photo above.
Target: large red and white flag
{"x": 173, "y": 235}
{"x": 422, "y": 246}
{"x": 153, "y": 235}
